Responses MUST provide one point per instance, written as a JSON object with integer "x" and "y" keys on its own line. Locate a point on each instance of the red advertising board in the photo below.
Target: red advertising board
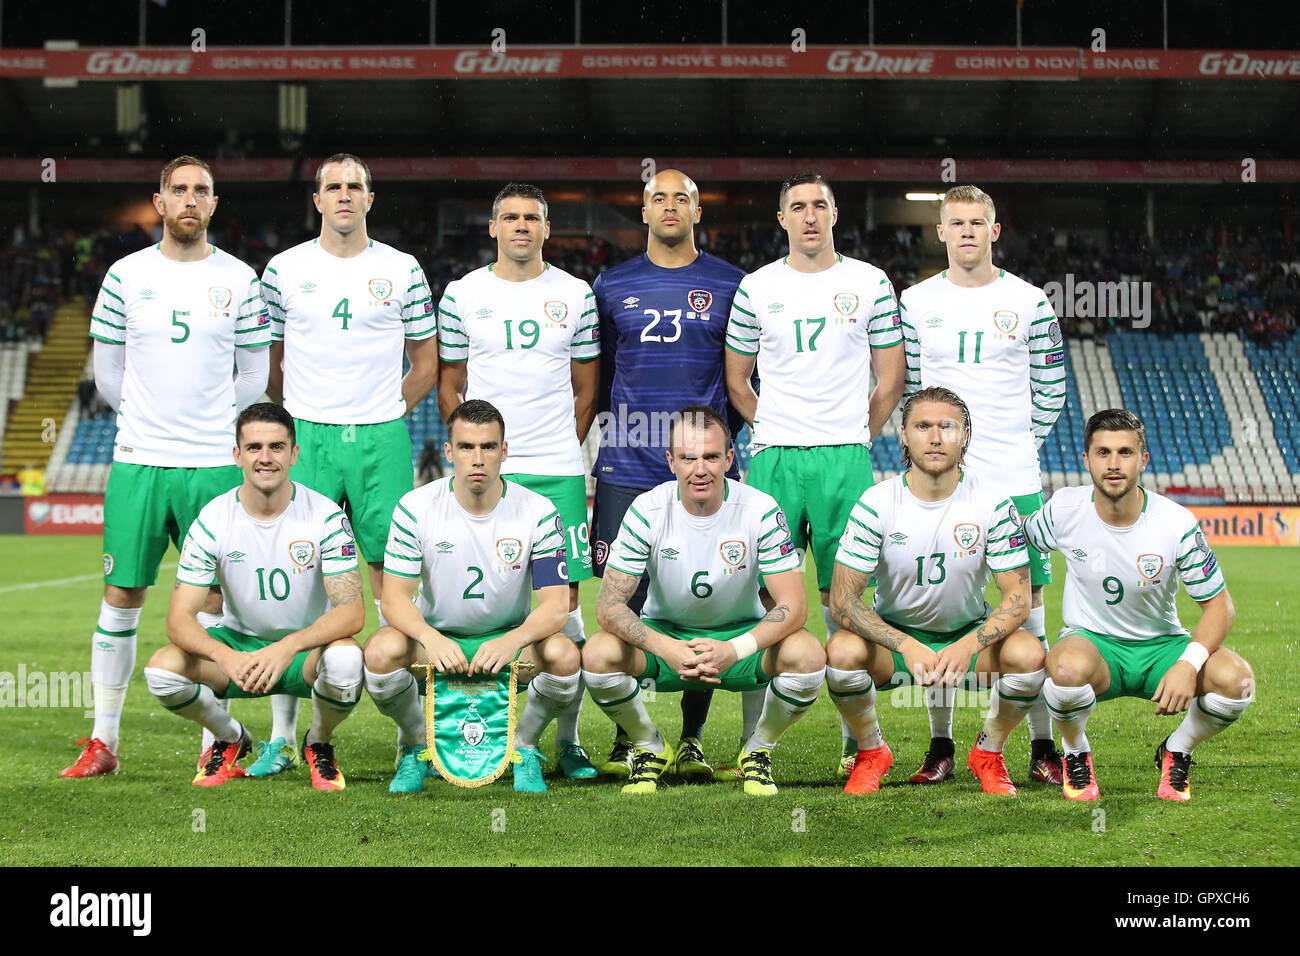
{"x": 64, "y": 514}
{"x": 626, "y": 62}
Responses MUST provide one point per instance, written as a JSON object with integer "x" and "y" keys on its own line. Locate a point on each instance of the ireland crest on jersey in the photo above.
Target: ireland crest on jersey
{"x": 966, "y": 535}
{"x": 1005, "y": 321}
{"x": 733, "y": 552}
{"x": 846, "y": 303}
{"x": 302, "y": 552}
{"x": 699, "y": 299}
{"x": 556, "y": 311}
{"x": 470, "y": 724}
{"x": 220, "y": 297}
{"x": 1150, "y": 566}
{"x": 509, "y": 550}
{"x": 381, "y": 289}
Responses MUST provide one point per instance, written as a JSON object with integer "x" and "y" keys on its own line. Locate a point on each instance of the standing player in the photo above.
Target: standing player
{"x": 1125, "y": 549}
{"x": 343, "y": 307}
{"x": 816, "y": 323}
{"x": 476, "y": 546}
{"x": 979, "y": 329}
{"x": 663, "y": 322}
{"x": 930, "y": 537}
{"x": 287, "y": 565}
{"x": 703, "y": 540}
{"x": 523, "y": 335}
{"x": 169, "y": 324}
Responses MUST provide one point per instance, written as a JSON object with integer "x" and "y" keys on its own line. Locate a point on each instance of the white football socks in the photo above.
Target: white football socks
{"x": 548, "y": 696}
{"x": 1038, "y": 719}
{"x": 192, "y": 701}
{"x": 751, "y": 708}
{"x": 788, "y": 697}
{"x": 112, "y": 659}
{"x": 335, "y": 692}
{"x": 854, "y": 695}
{"x": 1013, "y": 695}
{"x": 566, "y": 722}
{"x": 939, "y": 701}
{"x": 1070, "y": 707}
{"x": 284, "y": 710}
{"x": 397, "y": 696}
{"x": 619, "y": 696}
{"x": 1206, "y": 716}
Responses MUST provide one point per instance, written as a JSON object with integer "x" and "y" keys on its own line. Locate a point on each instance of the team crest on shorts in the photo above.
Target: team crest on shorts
{"x": 509, "y": 550}
{"x": 108, "y": 564}
{"x": 699, "y": 299}
{"x": 846, "y": 303}
{"x": 556, "y": 311}
{"x": 1150, "y": 566}
{"x": 967, "y": 535}
{"x": 302, "y": 552}
{"x": 601, "y": 552}
{"x": 220, "y": 297}
{"x": 1005, "y": 321}
{"x": 381, "y": 289}
{"x": 733, "y": 552}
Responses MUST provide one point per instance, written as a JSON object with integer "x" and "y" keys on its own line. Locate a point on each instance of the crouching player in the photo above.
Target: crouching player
{"x": 931, "y": 536}
{"x": 476, "y": 545}
{"x": 1125, "y": 549}
{"x": 703, "y": 541}
{"x": 282, "y": 554}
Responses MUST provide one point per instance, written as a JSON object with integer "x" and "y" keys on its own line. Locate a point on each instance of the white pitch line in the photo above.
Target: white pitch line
{"x": 58, "y": 582}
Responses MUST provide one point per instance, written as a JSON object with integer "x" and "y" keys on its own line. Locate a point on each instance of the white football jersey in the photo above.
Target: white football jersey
{"x": 272, "y": 573}
{"x": 932, "y": 559}
{"x": 519, "y": 338}
{"x": 475, "y": 571}
{"x": 704, "y": 571}
{"x": 344, "y": 323}
{"x": 999, "y": 348}
{"x": 1123, "y": 582}
{"x": 813, "y": 334}
{"x": 181, "y": 323}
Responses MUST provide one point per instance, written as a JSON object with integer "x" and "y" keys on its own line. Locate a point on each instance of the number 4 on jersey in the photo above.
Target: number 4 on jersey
{"x": 341, "y": 312}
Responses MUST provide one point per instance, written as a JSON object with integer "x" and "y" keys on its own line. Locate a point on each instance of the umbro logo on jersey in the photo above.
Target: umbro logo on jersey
{"x": 148, "y": 294}
{"x": 1079, "y": 554}
{"x": 934, "y": 321}
{"x": 308, "y": 287}
{"x": 235, "y": 556}
{"x": 483, "y": 313}
{"x": 631, "y": 301}
{"x": 775, "y": 306}
{"x": 898, "y": 537}
{"x": 445, "y": 547}
{"x": 669, "y": 553}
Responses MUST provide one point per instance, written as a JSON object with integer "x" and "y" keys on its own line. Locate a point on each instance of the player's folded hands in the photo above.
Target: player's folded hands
{"x": 263, "y": 668}
{"x": 951, "y": 664}
{"x": 921, "y": 661}
{"x": 687, "y": 664}
{"x": 712, "y": 656}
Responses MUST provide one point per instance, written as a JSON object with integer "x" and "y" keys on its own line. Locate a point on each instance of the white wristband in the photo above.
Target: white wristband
{"x": 744, "y": 645}
{"x": 1196, "y": 655}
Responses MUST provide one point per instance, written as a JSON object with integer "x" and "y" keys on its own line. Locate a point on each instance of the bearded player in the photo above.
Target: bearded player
{"x": 703, "y": 540}
{"x": 169, "y": 324}
{"x": 930, "y": 538}
{"x": 1125, "y": 550}
{"x": 994, "y": 338}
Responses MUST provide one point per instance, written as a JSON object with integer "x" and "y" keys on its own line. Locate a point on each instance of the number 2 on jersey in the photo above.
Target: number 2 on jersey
{"x": 469, "y": 589}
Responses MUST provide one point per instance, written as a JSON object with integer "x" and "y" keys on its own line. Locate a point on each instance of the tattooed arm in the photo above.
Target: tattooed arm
{"x": 848, "y": 611}
{"x": 615, "y": 616}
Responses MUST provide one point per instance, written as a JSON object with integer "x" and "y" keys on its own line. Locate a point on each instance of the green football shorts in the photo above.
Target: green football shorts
{"x": 145, "y": 506}
{"x": 365, "y": 468}
{"x": 936, "y": 641}
{"x": 1040, "y": 562}
{"x": 817, "y": 489}
{"x": 746, "y": 674}
{"x": 568, "y": 493}
{"x": 291, "y": 682}
{"x": 1136, "y": 666}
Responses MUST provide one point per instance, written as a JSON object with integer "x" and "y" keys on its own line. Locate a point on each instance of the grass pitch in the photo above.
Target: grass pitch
{"x": 1243, "y": 810}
